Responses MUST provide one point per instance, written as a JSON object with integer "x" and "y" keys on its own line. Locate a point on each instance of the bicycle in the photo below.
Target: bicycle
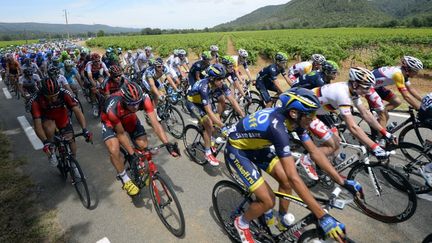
{"x": 304, "y": 230}
{"x": 12, "y": 85}
{"x": 69, "y": 165}
{"x": 146, "y": 174}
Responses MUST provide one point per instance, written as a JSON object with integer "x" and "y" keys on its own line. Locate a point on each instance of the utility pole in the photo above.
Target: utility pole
{"x": 65, "y": 13}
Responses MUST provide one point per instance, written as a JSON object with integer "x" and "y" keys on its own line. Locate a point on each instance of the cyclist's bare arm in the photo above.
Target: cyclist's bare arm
{"x": 278, "y": 86}
{"x": 68, "y": 88}
{"x": 414, "y": 93}
{"x": 239, "y": 87}
{"x": 369, "y": 117}
{"x": 197, "y": 76}
{"x": 123, "y": 138}
{"x": 212, "y": 116}
{"x": 299, "y": 186}
{"x": 357, "y": 131}
{"x": 411, "y": 99}
{"x": 157, "y": 127}
{"x": 153, "y": 87}
{"x": 92, "y": 81}
{"x": 79, "y": 80}
{"x": 37, "y": 123}
{"x": 80, "y": 116}
{"x": 248, "y": 74}
{"x": 320, "y": 159}
{"x": 171, "y": 81}
{"x": 287, "y": 79}
{"x": 235, "y": 105}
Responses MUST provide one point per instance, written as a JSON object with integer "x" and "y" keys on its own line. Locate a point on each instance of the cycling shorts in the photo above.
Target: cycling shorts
{"x": 320, "y": 130}
{"x": 196, "y": 110}
{"x": 108, "y": 132}
{"x": 263, "y": 88}
{"x": 377, "y": 95}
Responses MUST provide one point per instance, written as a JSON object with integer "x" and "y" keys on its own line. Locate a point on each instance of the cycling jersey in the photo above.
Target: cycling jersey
{"x": 238, "y": 62}
{"x": 29, "y": 84}
{"x": 109, "y": 86}
{"x": 425, "y": 111}
{"x": 311, "y": 80}
{"x": 151, "y": 73}
{"x": 96, "y": 69}
{"x": 385, "y": 76}
{"x": 300, "y": 69}
{"x": 144, "y": 61}
{"x": 73, "y": 72}
{"x": 13, "y": 67}
{"x": 57, "y": 111}
{"x": 336, "y": 96}
{"x": 202, "y": 91}
{"x": 198, "y": 66}
{"x": 232, "y": 75}
{"x": 115, "y": 112}
{"x": 175, "y": 63}
{"x": 32, "y": 67}
{"x": 265, "y": 80}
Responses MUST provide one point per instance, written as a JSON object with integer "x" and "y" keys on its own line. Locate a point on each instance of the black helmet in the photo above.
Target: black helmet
{"x": 132, "y": 93}
{"x": 28, "y": 71}
{"x": 53, "y": 71}
{"x": 49, "y": 86}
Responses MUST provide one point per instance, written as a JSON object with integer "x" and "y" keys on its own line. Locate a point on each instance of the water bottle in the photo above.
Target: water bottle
{"x": 269, "y": 217}
{"x": 340, "y": 158}
{"x": 391, "y": 126}
{"x": 287, "y": 220}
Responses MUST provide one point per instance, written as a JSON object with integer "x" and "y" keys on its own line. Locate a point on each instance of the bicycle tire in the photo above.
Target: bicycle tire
{"x": 226, "y": 216}
{"x": 406, "y": 194}
{"x": 62, "y": 167}
{"x": 159, "y": 203}
{"x": 415, "y": 126}
{"x": 80, "y": 182}
{"x": 312, "y": 235}
{"x": 417, "y": 157}
{"x": 255, "y": 94}
{"x": 254, "y": 106}
{"x": 195, "y": 146}
{"x": 169, "y": 115}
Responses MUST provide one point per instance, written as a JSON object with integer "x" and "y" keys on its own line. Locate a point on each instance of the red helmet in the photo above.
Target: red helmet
{"x": 49, "y": 87}
{"x": 115, "y": 71}
{"x": 132, "y": 93}
{"x": 95, "y": 57}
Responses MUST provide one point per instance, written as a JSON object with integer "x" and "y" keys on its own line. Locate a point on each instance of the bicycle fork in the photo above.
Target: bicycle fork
{"x": 373, "y": 178}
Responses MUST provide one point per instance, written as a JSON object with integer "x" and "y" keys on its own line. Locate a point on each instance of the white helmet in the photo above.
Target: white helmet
{"x": 181, "y": 52}
{"x": 362, "y": 76}
{"x": 214, "y": 48}
{"x": 243, "y": 53}
{"x": 139, "y": 51}
{"x": 176, "y": 52}
{"x": 412, "y": 63}
{"x": 69, "y": 63}
{"x": 129, "y": 51}
{"x": 147, "y": 48}
{"x": 318, "y": 58}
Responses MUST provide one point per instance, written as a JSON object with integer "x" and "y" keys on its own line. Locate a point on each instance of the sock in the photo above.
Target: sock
{"x": 243, "y": 222}
{"x": 124, "y": 176}
{"x": 208, "y": 151}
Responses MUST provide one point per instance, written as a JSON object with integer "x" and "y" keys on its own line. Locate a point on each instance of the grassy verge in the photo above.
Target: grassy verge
{"x": 21, "y": 219}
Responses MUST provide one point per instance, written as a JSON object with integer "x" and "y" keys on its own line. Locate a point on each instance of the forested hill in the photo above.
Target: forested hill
{"x": 336, "y": 13}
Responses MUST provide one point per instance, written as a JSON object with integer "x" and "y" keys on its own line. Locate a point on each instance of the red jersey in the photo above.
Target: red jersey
{"x": 109, "y": 86}
{"x": 115, "y": 112}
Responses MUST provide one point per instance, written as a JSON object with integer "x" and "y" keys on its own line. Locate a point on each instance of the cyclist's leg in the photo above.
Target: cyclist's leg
{"x": 221, "y": 105}
{"x": 375, "y": 102}
{"x": 68, "y": 133}
{"x": 262, "y": 89}
{"x": 197, "y": 111}
{"x": 139, "y": 135}
{"x": 330, "y": 140}
{"x": 393, "y": 102}
{"x": 113, "y": 145}
{"x": 49, "y": 127}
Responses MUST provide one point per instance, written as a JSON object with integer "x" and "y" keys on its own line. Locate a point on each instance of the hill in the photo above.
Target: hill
{"x": 332, "y": 13}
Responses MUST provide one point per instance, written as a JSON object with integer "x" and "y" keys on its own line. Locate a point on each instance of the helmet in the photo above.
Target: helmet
{"x": 412, "y": 63}
{"x": 115, "y": 70}
{"x": 158, "y": 61}
{"x": 132, "y": 93}
{"x": 243, "y": 53}
{"x": 69, "y": 63}
{"x": 216, "y": 71}
{"x": 175, "y": 52}
{"x": 206, "y": 55}
{"x": 181, "y": 52}
{"x": 227, "y": 60}
{"x": 49, "y": 87}
{"x": 362, "y": 76}
{"x": 301, "y": 99}
{"x": 281, "y": 57}
{"x": 330, "y": 67}
{"x": 147, "y": 48}
{"x": 119, "y": 50}
{"x": 129, "y": 51}
{"x": 28, "y": 71}
{"x": 53, "y": 71}
{"x": 56, "y": 59}
{"x": 95, "y": 57}
{"x": 108, "y": 50}
{"x": 214, "y": 48}
{"x": 318, "y": 58}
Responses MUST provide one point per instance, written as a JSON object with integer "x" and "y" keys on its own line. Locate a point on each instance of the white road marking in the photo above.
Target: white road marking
{"x": 425, "y": 197}
{"x": 12, "y": 131}
{"x": 31, "y": 135}
{"x": 7, "y": 94}
{"x": 103, "y": 240}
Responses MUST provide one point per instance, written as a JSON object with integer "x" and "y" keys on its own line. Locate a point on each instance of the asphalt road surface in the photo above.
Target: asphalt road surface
{"x": 115, "y": 217}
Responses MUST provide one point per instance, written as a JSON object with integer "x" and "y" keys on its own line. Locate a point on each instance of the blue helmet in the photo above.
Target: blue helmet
{"x": 216, "y": 71}
{"x": 301, "y": 99}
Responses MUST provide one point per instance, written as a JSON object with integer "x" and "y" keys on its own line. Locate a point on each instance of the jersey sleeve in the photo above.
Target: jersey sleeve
{"x": 204, "y": 93}
{"x": 36, "y": 110}
{"x": 62, "y": 80}
{"x": 147, "y": 104}
{"x": 280, "y": 137}
{"x": 399, "y": 81}
{"x": 69, "y": 100}
{"x": 104, "y": 67}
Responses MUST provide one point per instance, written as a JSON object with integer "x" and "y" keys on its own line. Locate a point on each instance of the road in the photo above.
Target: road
{"x": 117, "y": 218}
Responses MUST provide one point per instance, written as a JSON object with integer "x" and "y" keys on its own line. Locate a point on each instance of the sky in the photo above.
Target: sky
{"x": 164, "y": 14}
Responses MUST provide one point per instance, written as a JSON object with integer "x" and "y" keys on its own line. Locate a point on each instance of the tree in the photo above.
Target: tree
{"x": 100, "y": 33}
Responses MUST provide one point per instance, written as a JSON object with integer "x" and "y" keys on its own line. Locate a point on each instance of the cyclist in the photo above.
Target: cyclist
{"x": 95, "y": 69}
{"x": 72, "y": 76}
{"x": 114, "y": 82}
{"x": 241, "y": 60}
{"x": 317, "y": 78}
{"x": 306, "y": 67}
{"x": 142, "y": 59}
{"x": 199, "y": 104}
{"x": 13, "y": 70}
{"x": 170, "y": 62}
{"x": 233, "y": 78}
{"x": 395, "y": 75}
{"x": 248, "y": 147}
{"x": 267, "y": 78}
{"x": 197, "y": 69}
{"x": 425, "y": 116}
{"x": 214, "y": 51}
{"x": 49, "y": 109}
{"x": 28, "y": 83}
{"x": 55, "y": 74}
{"x": 42, "y": 64}
{"x": 342, "y": 96}
{"x": 119, "y": 119}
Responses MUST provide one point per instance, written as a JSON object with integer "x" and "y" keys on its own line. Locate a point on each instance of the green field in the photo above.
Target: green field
{"x": 16, "y": 43}
{"x": 371, "y": 46}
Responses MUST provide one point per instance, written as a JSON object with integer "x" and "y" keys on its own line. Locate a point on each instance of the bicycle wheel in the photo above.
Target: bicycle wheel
{"x": 167, "y": 205}
{"x": 174, "y": 122}
{"x": 316, "y": 235}
{"x": 229, "y": 201}
{"x": 194, "y": 144}
{"x": 254, "y": 106}
{"x": 383, "y": 200}
{"x": 416, "y": 133}
{"x": 80, "y": 182}
{"x": 417, "y": 157}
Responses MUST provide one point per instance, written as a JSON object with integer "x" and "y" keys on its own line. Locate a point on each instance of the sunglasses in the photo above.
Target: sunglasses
{"x": 159, "y": 66}
{"x": 309, "y": 115}
{"x": 117, "y": 76}
{"x": 134, "y": 103}
{"x": 51, "y": 96}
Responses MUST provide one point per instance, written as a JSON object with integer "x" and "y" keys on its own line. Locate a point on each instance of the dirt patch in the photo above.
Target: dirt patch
{"x": 231, "y": 50}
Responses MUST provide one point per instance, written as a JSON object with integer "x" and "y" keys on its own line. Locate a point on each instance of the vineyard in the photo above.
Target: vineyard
{"x": 370, "y": 46}
{"x": 16, "y": 43}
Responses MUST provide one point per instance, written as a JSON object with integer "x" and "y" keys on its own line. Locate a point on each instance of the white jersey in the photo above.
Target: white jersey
{"x": 336, "y": 96}
{"x": 34, "y": 79}
{"x": 62, "y": 81}
{"x": 300, "y": 68}
{"x": 144, "y": 59}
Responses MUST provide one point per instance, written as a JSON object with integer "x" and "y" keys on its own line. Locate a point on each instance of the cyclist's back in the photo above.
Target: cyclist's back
{"x": 311, "y": 80}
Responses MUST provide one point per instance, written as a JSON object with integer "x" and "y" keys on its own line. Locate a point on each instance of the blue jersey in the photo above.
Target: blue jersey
{"x": 201, "y": 92}
{"x": 70, "y": 75}
{"x": 269, "y": 74}
{"x": 311, "y": 80}
{"x": 264, "y": 128}
{"x": 198, "y": 66}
